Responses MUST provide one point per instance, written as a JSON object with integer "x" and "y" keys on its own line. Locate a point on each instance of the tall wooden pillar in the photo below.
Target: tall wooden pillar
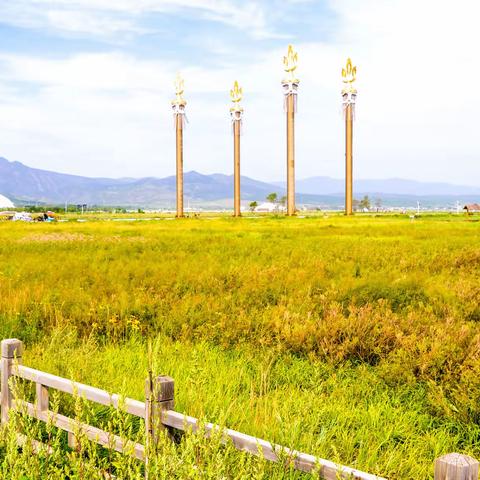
{"x": 236, "y": 166}
{"x": 236, "y": 113}
{"x": 179, "y": 121}
{"x": 290, "y": 89}
{"x": 349, "y": 95}
{"x": 290, "y": 107}
{"x": 178, "y": 106}
{"x": 348, "y": 160}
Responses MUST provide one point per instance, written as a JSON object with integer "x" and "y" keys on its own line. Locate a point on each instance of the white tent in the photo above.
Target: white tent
{"x": 5, "y": 202}
{"x": 22, "y": 217}
{"x": 270, "y": 207}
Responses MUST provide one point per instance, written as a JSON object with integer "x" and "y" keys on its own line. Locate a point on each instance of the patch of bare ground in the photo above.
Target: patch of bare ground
{"x": 56, "y": 237}
{"x": 77, "y": 237}
{"x": 119, "y": 238}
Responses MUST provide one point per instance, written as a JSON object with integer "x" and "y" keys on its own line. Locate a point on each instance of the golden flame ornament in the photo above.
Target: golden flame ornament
{"x": 290, "y": 62}
{"x": 349, "y": 75}
{"x": 179, "y": 90}
{"x": 236, "y": 95}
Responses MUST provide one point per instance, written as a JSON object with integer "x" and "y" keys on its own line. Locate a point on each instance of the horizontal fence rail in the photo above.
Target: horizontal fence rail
{"x": 87, "y": 392}
{"x": 158, "y": 413}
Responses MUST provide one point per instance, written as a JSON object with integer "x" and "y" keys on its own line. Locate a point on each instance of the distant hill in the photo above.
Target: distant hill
{"x": 25, "y": 185}
{"x": 394, "y": 186}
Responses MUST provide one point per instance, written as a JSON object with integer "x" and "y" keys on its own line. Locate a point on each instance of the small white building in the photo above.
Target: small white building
{"x": 5, "y": 202}
{"x": 270, "y": 207}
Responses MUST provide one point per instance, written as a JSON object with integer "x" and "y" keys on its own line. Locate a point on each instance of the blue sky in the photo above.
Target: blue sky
{"x": 85, "y": 85}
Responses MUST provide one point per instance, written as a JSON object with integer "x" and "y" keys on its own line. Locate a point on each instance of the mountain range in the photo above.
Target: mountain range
{"x": 393, "y": 186}
{"x": 26, "y": 185}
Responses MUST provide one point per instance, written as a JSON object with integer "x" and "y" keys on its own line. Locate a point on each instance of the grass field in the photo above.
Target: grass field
{"x": 354, "y": 339}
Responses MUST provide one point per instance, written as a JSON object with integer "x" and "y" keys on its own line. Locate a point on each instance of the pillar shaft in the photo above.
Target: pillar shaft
{"x": 236, "y": 167}
{"x": 179, "y": 148}
{"x": 290, "y": 100}
{"x": 348, "y": 160}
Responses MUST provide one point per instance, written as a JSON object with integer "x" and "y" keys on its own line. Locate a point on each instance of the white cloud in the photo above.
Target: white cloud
{"x": 109, "y": 114}
{"x": 75, "y": 21}
{"x": 110, "y": 19}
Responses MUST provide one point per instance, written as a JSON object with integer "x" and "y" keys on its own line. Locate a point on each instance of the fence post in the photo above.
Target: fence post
{"x": 12, "y": 350}
{"x": 159, "y": 396}
{"x": 159, "y": 393}
{"x": 455, "y": 466}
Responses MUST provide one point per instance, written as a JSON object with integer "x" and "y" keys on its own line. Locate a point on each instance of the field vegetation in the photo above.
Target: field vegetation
{"x": 354, "y": 339}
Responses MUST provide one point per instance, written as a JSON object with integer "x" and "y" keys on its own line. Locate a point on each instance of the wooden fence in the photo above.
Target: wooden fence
{"x": 157, "y": 412}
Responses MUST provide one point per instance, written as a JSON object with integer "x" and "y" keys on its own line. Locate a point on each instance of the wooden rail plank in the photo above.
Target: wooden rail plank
{"x": 93, "y": 433}
{"x": 256, "y": 446}
{"x": 134, "y": 407}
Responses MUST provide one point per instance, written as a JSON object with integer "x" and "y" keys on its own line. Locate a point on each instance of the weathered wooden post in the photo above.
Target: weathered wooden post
{"x": 455, "y": 466}
{"x": 159, "y": 396}
{"x": 12, "y": 350}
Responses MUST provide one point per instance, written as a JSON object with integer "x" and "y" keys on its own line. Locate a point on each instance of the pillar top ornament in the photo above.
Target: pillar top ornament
{"x": 349, "y": 75}
{"x": 179, "y": 101}
{"x": 236, "y": 95}
{"x": 290, "y": 64}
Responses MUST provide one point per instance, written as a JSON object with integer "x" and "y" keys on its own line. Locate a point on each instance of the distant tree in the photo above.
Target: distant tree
{"x": 355, "y": 204}
{"x": 253, "y": 205}
{"x": 34, "y": 208}
{"x": 283, "y": 200}
{"x": 272, "y": 197}
{"x": 378, "y": 203}
{"x": 365, "y": 203}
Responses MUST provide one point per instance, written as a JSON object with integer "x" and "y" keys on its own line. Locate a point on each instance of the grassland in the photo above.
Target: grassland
{"x": 355, "y": 339}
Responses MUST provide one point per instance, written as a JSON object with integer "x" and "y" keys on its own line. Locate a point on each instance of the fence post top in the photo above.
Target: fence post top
{"x": 458, "y": 459}
{"x": 161, "y": 388}
{"x": 164, "y": 388}
{"x": 12, "y": 348}
{"x": 456, "y": 466}
{"x": 164, "y": 379}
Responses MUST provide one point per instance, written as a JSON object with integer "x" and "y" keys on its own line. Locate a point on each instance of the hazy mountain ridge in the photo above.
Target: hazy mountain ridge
{"x": 394, "y": 186}
{"x": 24, "y": 184}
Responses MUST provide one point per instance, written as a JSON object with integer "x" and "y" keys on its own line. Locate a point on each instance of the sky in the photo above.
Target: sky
{"x": 86, "y": 86}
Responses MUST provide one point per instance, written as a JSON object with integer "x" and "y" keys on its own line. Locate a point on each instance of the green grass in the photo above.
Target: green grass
{"x": 354, "y": 339}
